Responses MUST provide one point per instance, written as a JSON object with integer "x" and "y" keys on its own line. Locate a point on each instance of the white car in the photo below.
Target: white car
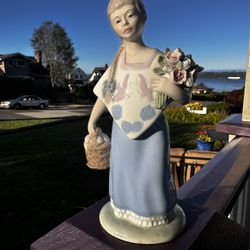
{"x": 25, "y": 101}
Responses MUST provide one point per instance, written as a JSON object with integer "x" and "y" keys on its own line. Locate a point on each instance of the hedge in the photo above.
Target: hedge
{"x": 182, "y": 115}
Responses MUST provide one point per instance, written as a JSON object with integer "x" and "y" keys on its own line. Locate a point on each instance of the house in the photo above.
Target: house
{"x": 16, "y": 64}
{"x": 88, "y": 83}
{"x": 201, "y": 90}
{"x": 77, "y": 78}
{"x": 19, "y": 65}
{"x": 86, "y": 90}
{"x": 96, "y": 75}
{"x": 78, "y": 75}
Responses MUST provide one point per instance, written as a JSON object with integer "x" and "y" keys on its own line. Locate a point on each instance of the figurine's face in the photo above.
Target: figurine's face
{"x": 126, "y": 22}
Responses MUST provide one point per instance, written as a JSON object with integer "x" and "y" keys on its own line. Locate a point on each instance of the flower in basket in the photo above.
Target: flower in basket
{"x": 203, "y": 136}
{"x": 178, "y": 67}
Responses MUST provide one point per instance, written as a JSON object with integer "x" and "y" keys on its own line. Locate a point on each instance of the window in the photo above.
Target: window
{"x": 35, "y": 98}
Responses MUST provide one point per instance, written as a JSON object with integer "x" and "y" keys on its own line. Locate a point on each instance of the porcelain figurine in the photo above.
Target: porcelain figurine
{"x": 135, "y": 89}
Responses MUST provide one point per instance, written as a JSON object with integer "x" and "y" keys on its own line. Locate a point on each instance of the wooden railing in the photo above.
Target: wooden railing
{"x": 239, "y": 130}
{"x": 220, "y": 181}
{"x": 186, "y": 163}
{"x": 219, "y": 187}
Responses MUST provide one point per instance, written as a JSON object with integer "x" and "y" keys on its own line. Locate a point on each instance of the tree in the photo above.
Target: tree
{"x": 201, "y": 85}
{"x": 58, "y": 53}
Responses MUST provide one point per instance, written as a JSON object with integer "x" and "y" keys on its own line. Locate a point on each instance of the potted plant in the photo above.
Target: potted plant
{"x": 204, "y": 141}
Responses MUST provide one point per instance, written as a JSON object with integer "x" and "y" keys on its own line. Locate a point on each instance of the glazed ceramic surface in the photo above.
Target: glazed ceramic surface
{"x": 135, "y": 89}
{"x": 140, "y": 179}
{"x": 133, "y": 101}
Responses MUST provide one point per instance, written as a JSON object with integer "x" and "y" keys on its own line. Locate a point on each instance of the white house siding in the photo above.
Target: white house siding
{"x": 78, "y": 74}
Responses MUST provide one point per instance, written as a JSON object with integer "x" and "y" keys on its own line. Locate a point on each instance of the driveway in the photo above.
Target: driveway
{"x": 54, "y": 111}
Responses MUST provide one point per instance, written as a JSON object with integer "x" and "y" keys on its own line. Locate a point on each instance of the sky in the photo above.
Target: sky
{"x": 215, "y": 32}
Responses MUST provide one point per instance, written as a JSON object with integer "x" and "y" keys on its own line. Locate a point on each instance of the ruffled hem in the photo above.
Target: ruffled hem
{"x": 142, "y": 221}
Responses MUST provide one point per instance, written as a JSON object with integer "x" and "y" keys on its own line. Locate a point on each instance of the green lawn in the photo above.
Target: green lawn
{"x": 44, "y": 180}
{"x": 16, "y": 124}
{"x": 184, "y": 134}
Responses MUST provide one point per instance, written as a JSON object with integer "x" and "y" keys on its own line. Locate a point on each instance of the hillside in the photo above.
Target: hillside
{"x": 221, "y": 74}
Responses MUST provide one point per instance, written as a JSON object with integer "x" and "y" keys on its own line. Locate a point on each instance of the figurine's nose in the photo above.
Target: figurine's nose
{"x": 125, "y": 22}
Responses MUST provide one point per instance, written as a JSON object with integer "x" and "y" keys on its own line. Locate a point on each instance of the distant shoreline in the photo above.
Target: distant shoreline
{"x": 222, "y": 83}
{"x": 222, "y": 74}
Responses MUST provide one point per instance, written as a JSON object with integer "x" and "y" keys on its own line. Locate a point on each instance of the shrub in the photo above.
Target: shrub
{"x": 12, "y": 87}
{"x": 213, "y": 96}
{"x": 220, "y": 107}
{"x": 182, "y": 115}
{"x": 236, "y": 97}
{"x": 218, "y": 145}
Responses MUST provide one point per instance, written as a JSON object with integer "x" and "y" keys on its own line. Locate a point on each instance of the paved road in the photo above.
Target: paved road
{"x": 54, "y": 111}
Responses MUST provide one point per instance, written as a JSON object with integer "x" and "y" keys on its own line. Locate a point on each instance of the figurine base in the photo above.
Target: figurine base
{"x": 127, "y": 231}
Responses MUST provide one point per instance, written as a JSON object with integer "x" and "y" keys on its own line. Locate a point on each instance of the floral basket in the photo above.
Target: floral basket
{"x": 97, "y": 149}
{"x": 179, "y": 68}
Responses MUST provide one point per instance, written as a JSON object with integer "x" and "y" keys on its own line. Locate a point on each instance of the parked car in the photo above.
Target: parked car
{"x": 25, "y": 101}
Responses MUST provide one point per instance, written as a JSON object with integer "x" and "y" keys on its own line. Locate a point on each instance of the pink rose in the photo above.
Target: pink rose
{"x": 175, "y": 56}
{"x": 180, "y": 76}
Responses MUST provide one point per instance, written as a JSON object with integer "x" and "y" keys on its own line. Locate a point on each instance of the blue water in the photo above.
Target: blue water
{"x": 221, "y": 84}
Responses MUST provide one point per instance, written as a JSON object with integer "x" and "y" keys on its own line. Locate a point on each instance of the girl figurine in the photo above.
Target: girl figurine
{"x": 142, "y": 207}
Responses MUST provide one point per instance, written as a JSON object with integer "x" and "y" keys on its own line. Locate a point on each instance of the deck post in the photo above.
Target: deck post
{"x": 246, "y": 103}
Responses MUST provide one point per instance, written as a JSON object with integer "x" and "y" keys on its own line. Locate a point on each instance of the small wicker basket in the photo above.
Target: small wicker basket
{"x": 97, "y": 150}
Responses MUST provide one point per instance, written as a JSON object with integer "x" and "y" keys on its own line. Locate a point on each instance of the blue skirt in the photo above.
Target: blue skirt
{"x": 140, "y": 179}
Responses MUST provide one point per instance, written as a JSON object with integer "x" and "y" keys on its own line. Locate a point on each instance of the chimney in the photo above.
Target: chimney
{"x": 38, "y": 56}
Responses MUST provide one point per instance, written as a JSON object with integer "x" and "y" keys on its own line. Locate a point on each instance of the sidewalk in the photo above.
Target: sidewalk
{"x": 54, "y": 111}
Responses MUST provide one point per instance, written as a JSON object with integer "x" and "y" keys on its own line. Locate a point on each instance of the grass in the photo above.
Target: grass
{"x": 44, "y": 179}
{"x": 16, "y": 124}
{"x": 184, "y": 134}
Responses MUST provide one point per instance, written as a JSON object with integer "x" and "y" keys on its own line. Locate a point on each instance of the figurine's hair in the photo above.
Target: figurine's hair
{"x": 114, "y": 64}
{"x": 114, "y": 5}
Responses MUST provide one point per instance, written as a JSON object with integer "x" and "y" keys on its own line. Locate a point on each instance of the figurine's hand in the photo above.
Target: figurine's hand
{"x": 97, "y": 111}
{"x": 168, "y": 86}
{"x": 161, "y": 84}
{"x": 91, "y": 127}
